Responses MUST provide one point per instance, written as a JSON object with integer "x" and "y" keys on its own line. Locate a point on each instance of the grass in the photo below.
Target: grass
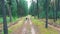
{"x": 9, "y": 31}
{"x": 1, "y": 19}
{"x": 42, "y": 29}
{"x": 8, "y": 22}
{"x": 58, "y": 21}
{"x": 8, "y": 19}
{"x": 16, "y": 26}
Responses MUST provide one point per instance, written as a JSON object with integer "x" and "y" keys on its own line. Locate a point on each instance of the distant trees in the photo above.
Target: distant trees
{"x": 33, "y": 9}
{"x": 38, "y": 8}
{"x": 15, "y": 8}
{"x": 48, "y": 9}
{"x": 11, "y": 9}
{"x": 22, "y": 8}
{"x": 53, "y": 6}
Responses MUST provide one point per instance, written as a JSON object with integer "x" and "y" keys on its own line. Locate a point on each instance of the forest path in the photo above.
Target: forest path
{"x": 26, "y": 28}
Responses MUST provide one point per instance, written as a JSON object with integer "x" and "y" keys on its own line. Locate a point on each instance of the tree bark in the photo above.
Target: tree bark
{"x": 47, "y": 10}
{"x": 37, "y": 9}
{"x": 4, "y": 18}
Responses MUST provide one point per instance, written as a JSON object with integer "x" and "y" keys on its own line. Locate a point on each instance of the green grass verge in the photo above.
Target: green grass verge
{"x": 42, "y": 29}
{"x": 1, "y": 19}
{"x": 8, "y": 19}
{"x": 9, "y": 31}
{"x": 16, "y": 26}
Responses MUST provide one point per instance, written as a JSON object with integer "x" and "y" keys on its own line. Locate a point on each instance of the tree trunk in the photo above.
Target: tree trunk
{"x": 17, "y": 7}
{"x": 4, "y": 18}
{"x": 57, "y": 9}
{"x": 9, "y": 9}
{"x": 47, "y": 10}
{"x": 10, "y": 14}
{"x": 37, "y": 9}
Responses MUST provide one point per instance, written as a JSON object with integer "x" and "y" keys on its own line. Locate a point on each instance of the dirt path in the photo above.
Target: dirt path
{"x": 27, "y": 28}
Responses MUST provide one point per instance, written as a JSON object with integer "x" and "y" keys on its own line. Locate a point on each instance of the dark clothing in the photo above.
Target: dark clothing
{"x": 26, "y": 18}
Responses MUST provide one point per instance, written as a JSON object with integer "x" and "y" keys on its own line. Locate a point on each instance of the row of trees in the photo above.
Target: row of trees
{"x": 46, "y": 9}
{"x": 41, "y": 5}
{"x": 12, "y": 9}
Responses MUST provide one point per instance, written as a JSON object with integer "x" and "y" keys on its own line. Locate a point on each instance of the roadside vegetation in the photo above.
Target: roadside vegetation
{"x": 16, "y": 26}
{"x": 42, "y": 29}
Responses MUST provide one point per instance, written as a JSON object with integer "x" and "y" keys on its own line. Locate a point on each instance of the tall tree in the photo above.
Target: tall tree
{"x": 47, "y": 9}
{"x": 57, "y": 8}
{"x": 9, "y": 9}
{"x": 4, "y": 18}
{"x": 17, "y": 1}
{"x": 14, "y": 8}
{"x": 37, "y": 9}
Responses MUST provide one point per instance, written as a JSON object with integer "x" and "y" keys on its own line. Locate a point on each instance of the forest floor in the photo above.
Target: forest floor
{"x": 31, "y": 26}
{"x": 34, "y": 26}
{"x": 41, "y": 26}
{"x": 53, "y": 24}
{"x": 26, "y": 28}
